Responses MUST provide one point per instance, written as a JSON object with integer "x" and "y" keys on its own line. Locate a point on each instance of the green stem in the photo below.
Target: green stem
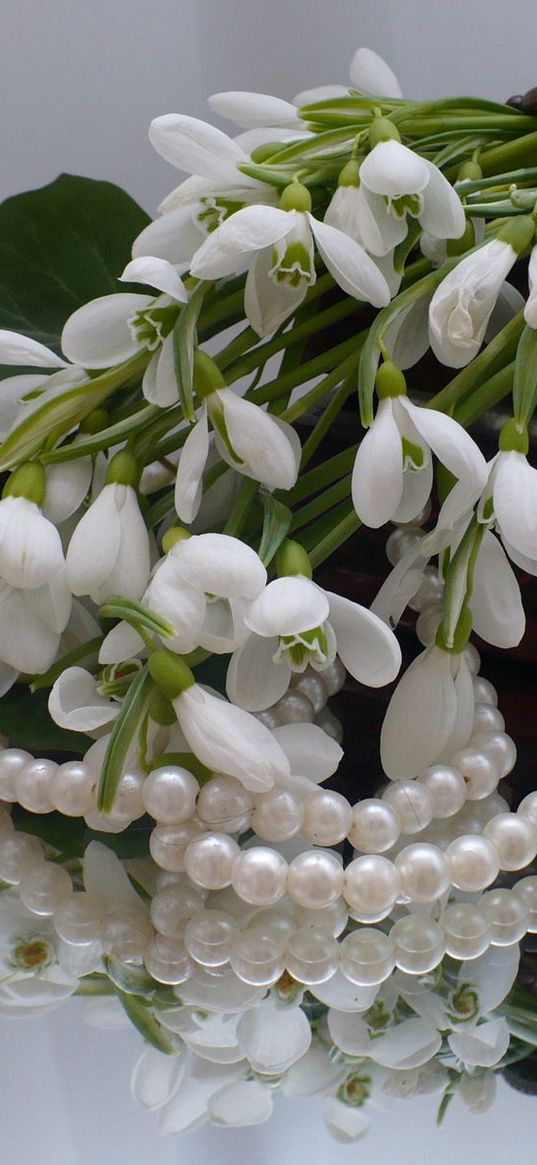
{"x": 319, "y": 391}
{"x": 332, "y": 410}
{"x": 343, "y": 530}
{"x": 490, "y": 393}
{"x": 241, "y": 507}
{"x": 319, "y": 505}
{"x": 509, "y": 155}
{"x": 315, "y": 479}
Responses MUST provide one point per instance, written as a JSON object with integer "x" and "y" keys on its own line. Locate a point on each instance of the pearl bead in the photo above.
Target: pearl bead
{"x": 19, "y": 853}
{"x": 333, "y": 676}
{"x": 447, "y": 788}
{"x": 333, "y": 918}
{"x": 209, "y": 860}
{"x": 473, "y": 659}
{"x": 508, "y": 915}
{"x": 169, "y": 794}
{"x": 106, "y": 822}
{"x": 528, "y": 808}
{"x": 167, "y": 844}
{"x": 515, "y": 839}
{"x": 32, "y": 785}
{"x": 473, "y": 862}
{"x": 44, "y": 888}
{"x": 424, "y": 872}
{"x": 172, "y": 907}
{"x": 419, "y": 944}
{"x": 278, "y": 815}
{"x": 312, "y": 956}
{"x": 294, "y": 708}
{"x": 427, "y": 624}
{"x": 487, "y": 718}
{"x": 312, "y": 686}
{"x": 400, "y": 541}
{"x": 467, "y": 930}
{"x": 167, "y": 961}
{"x": 526, "y": 891}
{"x": 480, "y": 771}
{"x": 327, "y": 817}
{"x": 72, "y": 789}
{"x": 12, "y": 761}
{"x": 126, "y": 938}
{"x": 209, "y": 936}
{"x": 372, "y": 885}
{"x": 412, "y": 803}
{"x": 78, "y": 919}
{"x": 485, "y": 692}
{"x": 129, "y": 800}
{"x": 257, "y": 957}
{"x": 499, "y": 747}
{"x": 367, "y": 956}
{"x": 330, "y": 724}
{"x": 268, "y": 717}
{"x": 375, "y": 826}
{"x": 224, "y": 804}
{"x": 429, "y": 592}
{"x": 259, "y": 875}
{"x": 276, "y": 921}
{"x": 315, "y": 879}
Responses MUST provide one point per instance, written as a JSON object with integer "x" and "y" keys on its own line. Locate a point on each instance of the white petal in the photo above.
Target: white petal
{"x": 67, "y": 486}
{"x": 346, "y": 1124}
{"x": 380, "y": 231}
{"x": 175, "y": 236}
{"x": 156, "y": 1077}
{"x": 481, "y": 1046}
{"x": 74, "y": 702}
{"x": 314, "y": 1072}
{"x": 394, "y": 170}
{"x": 515, "y": 502}
{"x": 344, "y": 996}
{"x": 349, "y": 1032}
{"x": 407, "y": 1045}
{"x": 254, "y": 109}
{"x": 244, "y": 1103}
{"x": 166, "y": 390}
{"x": 493, "y": 974}
{"x": 229, "y": 740}
{"x": 366, "y": 646}
{"x": 106, "y": 880}
{"x": 310, "y": 751}
{"x": 187, "y": 1108}
{"x": 220, "y": 565}
{"x": 496, "y": 602}
{"x": 27, "y": 642}
{"x": 463, "y": 302}
{"x": 371, "y": 74}
{"x": 157, "y": 273}
{"x": 508, "y": 304}
{"x": 377, "y": 476}
{"x": 450, "y": 442}
{"x": 238, "y": 238}
{"x": 420, "y": 716}
{"x": 268, "y": 303}
{"x": 417, "y": 485}
{"x": 288, "y": 606}
{"x": 196, "y": 147}
{"x": 97, "y": 335}
{"x": 12, "y": 390}
{"x": 348, "y": 263}
{"x": 130, "y": 572}
{"x": 443, "y": 214}
{"x": 253, "y": 680}
{"x": 321, "y": 93}
{"x": 121, "y": 643}
{"x": 407, "y": 338}
{"x": 464, "y": 693}
{"x": 273, "y": 1037}
{"x": 93, "y": 547}
{"x": 258, "y": 441}
{"x": 189, "y": 480}
{"x": 30, "y": 546}
{"x": 21, "y": 350}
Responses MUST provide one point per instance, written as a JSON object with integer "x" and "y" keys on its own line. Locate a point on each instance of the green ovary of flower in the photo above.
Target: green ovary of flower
{"x": 294, "y": 267}
{"x": 355, "y": 1090}
{"x": 151, "y": 326}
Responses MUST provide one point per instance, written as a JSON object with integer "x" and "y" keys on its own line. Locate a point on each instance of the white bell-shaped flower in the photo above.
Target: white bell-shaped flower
{"x": 370, "y": 73}
{"x": 273, "y": 1035}
{"x": 530, "y": 310}
{"x": 76, "y": 703}
{"x": 32, "y": 979}
{"x": 510, "y": 498}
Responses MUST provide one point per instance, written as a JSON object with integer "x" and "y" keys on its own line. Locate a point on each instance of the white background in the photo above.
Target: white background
{"x": 79, "y": 82}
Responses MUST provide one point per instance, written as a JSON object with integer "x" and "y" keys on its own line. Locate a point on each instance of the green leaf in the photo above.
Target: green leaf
{"x": 184, "y": 341}
{"x": 61, "y": 246}
{"x": 135, "y": 707}
{"x": 525, "y": 378}
{"x": 276, "y": 524}
{"x": 146, "y": 1023}
{"x": 136, "y": 615}
{"x": 25, "y": 720}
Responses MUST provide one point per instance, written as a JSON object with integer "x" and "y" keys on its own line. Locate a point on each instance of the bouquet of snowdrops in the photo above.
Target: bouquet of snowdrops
{"x": 167, "y": 837}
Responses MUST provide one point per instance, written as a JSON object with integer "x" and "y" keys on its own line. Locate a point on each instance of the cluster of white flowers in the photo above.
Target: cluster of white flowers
{"x": 160, "y": 508}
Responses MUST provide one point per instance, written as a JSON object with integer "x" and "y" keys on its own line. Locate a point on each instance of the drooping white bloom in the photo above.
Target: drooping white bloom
{"x": 230, "y": 740}
{"x": 512, "y": 489}
{"x": 109, "y": 551}
{"x": 530, "y": 310}
{"x": 32, "y": 980}
{"x": 393, "y": 471}
{"x": 274, "y": 1035}
{"x": 75, "y": 702}
{"x": 429, "y": 716}
{"x": 404, "y": 1045}
{"x": 463, "y": 303}
{"x": 295, "y": 623}
{"x": 371, "y": 74}
{"x": 477, "y": 1090}
{"x": 278, "y": 246}
{"x": 250, "y": 110}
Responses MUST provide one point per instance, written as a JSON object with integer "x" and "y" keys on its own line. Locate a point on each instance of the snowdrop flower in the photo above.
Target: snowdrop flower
{"x": 530, "y": 310}
{"x": 274, "y": 1035}
{"x": 180, "y": 1088}
{"x": 403, "y": 1045}
{"x": 32, "y": 979}
{"x": 477, "y": 1090}
{"x": 368, "y": 72}
{"x": 278, "y": 244}
{"x": 109, "y": 551}
{"x": 509, "y": 499}
{"x": 464, "y": 301}
{"x": 76, "y": 703}
{"x": 200, "y": 589}
{"x": 393, "y": 470}
{"x": 223, "y": 737}
{"x": 250, "y": 440}
{"x": 295, "y": 623}
{"x": 344, "y": 1121}
{"x": 430, "y": 714}
{"x": 114, "y": 328}
{"x": 250, "y": 110}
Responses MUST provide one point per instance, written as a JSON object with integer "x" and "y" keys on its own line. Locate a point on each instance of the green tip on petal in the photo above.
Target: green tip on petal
{"x": 292, "y": 559}
{"x": 170, "y": 673}
{"x": 514, "y": 438}
{"x": 174, "y": 535}
{"x": 518, "y": 232}
{"x": 123, "y": 469}
{"x": 382, "y": 130}
{"x": 350, "y": 174}
{"x": 389, "y": 381}
{"x": 95, "y": 421}
{"x": 28, "y": 481}
{"x": 207, "y": 375}
{"x": 296, "y": 196}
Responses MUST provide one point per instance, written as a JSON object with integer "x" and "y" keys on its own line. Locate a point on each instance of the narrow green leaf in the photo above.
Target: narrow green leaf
{"x": 184, "y": 342}
{"x": 137, "y": 615}
{"x": 135, "y": 706}
{"x": 276, "y": 523}
{"x": 146, "y": 1023}
{"x": 525, "y": 378}
{"x": 113, "y": 435}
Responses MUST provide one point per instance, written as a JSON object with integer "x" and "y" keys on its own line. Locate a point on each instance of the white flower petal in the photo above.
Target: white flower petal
{"x": 28, "y": 642}
{"x": 310, "y": 751}
{"x": 393, "y": 170}
{"x": 463, "y": 302}
{"x": 346, "y": 1124}
{"x": 97, "y": 335}
{"x": 496, "y": 602}
{"x": 220, "y": 565}
{"x": 196, "y": 147}
{"x": 156, "y": 1077}
{"x": 377, "y": 476}
{"x": 67, "y": 486}
{"x": 417, "y": 485}
{"x": 407, "y": 338}
{"x": 21, "y": 350}
{"x": 273, "y": 1037}
{"x": 481, "y": 1046}
{"x": 348, "y": 263}
{"x": 189, "y": 480}
{"x": 288, "y": 606}
{"x": 106, "y": 880}
{"x": 314, "y": 1072}
{"x": 157, "y": 273}
{"x": 175, "y": 236}
{"x": 121, "y": 643}
{"x": 320, "y": 93}
{"x": 443, "y": 213}
{"x": 258, "y": 441}
{"x": 244, "y": 1103}
{"x": 380, "y": 231}
{"x": 267, "y": 303}
{"x": 238, "y": 238}
{"x": 74, "y": 702}
{"x": 420, "y": 716}
{"x": 407, "y": 1045}
{"x": 253, "y": 680}
{"x": 166, "y": 390}
{"x": 340, "y": 994}
{"x": 366, "y": 646}
{"x": 30, "y": 546}
{"x": 349, "y": 1032}
{"x": 449, "y": 441}
{"x": 250, "y": 110}
{"x": 371, "y": 74}
{"x": 229, "y": 740}
{"x": 492, "y": 974}
{"x": 515, "y": 502}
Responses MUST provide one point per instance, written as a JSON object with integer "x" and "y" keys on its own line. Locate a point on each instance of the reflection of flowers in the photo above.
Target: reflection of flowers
{"x": 32, "y": 978}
